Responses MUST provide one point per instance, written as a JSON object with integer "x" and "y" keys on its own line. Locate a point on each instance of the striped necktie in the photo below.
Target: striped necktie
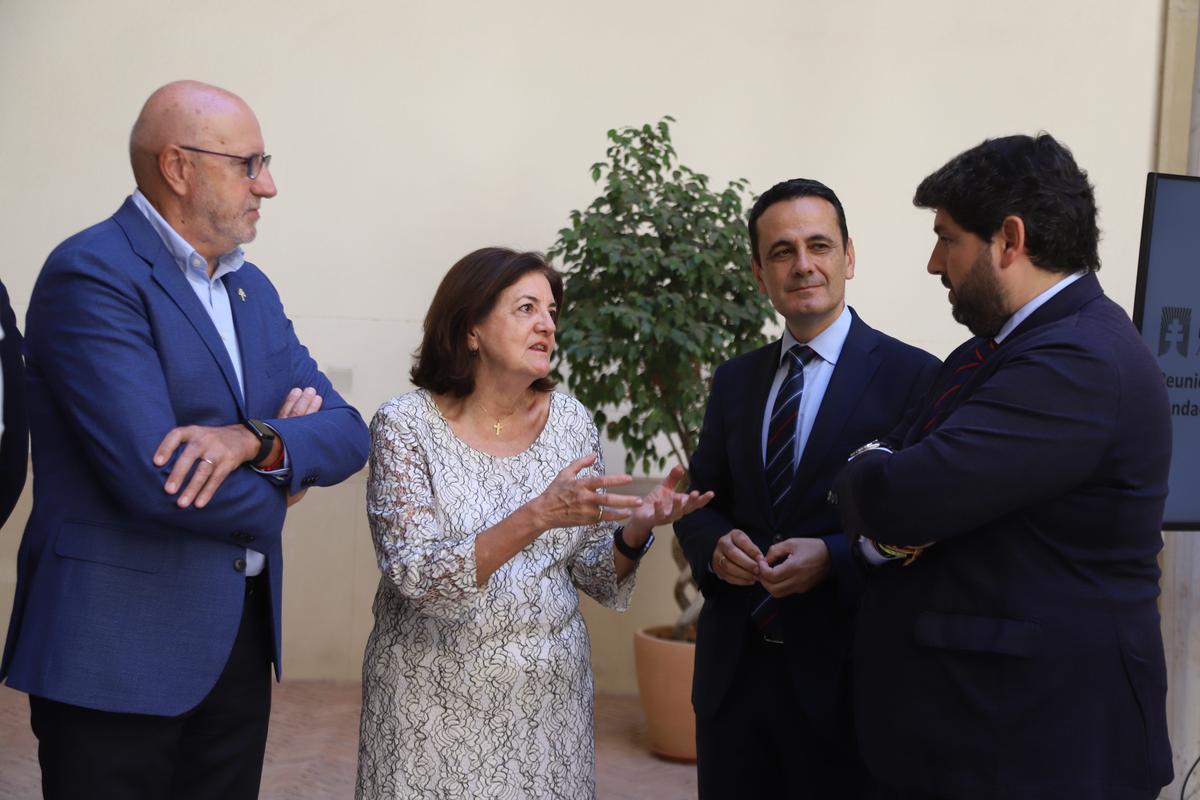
{"x": 780, "y": 457}
{"x": 780, "y": 463}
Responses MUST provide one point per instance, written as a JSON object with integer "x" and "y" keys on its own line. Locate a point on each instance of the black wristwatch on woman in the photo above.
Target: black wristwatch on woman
{"x": 632, "y": 553}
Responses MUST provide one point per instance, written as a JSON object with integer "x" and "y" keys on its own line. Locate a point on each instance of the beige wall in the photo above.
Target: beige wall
{"x": 406, "y": 134}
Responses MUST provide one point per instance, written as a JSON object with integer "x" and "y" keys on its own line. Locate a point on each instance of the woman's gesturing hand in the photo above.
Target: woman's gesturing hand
{"x": 663, "y": 505}
{"x": 570, "y": 500}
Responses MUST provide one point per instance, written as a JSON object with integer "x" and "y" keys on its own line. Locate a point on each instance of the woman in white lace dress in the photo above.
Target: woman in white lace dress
{"x": 485, "y": 511}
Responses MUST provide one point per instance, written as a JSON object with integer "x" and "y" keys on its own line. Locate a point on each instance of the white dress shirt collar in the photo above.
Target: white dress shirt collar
{"x": 828, "y": 343}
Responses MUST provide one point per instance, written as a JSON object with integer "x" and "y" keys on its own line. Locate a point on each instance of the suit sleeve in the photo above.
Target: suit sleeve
{"x": 14, "y": 446}
{"x": 1038, "y": 426}
{"x": 845, "y": 566}
{"x": 699, "y": 531}
{"x": 323, "y": 448}
{"x": 90, "y": 340}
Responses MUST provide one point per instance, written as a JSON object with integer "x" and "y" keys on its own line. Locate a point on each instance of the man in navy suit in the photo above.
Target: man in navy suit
{"x": 173, "y": 415}
{"x": 1018, "y": 654}
{"x": 779, "y": 583}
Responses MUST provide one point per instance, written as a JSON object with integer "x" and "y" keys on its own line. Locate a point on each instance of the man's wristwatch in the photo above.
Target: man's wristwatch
{"x": 874, "y": 444}
{"x": 266, "y": 438}
{"x": 632, "y": 553}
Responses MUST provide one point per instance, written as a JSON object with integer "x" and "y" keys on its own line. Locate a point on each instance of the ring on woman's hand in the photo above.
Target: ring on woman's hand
{"x": 599, "y": 513}
{"x": 208, "y": 461}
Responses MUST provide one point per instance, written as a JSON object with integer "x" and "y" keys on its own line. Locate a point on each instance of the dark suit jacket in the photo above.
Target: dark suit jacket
{"x": 1020, "y": 655}
{"x": 14, "y": 446}
{"x": 124, "y": 601}
{"x": 875, "y": 380}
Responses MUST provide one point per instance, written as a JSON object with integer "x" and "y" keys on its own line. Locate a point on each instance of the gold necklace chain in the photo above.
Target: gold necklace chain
{"x": 498, "y": 426}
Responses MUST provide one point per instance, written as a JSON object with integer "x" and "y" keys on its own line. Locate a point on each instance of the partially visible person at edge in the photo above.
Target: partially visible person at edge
{"x": 488, "y": 508}
{"x": 779, "y": 581}
{"x": 14, "y": 421}
{"x": 173, "y": 413}
{"x": 1008, "y": 645}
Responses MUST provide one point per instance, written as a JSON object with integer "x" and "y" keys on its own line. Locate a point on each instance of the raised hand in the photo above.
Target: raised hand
{"x": 663, "y": 505}
{"x": 570, "y": 500}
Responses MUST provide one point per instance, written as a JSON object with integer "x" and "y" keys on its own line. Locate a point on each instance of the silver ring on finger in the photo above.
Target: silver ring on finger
{"x": 208, "y": 461}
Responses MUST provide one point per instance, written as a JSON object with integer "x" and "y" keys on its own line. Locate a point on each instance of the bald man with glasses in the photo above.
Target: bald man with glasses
{"x": 175, "y": 416}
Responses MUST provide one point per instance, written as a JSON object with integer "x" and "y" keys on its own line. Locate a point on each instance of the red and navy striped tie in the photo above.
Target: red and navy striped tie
{"x": 780, "y": 463}
{"x": 780, "y": 457}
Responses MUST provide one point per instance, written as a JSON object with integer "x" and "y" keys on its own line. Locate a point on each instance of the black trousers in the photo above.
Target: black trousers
{"x": 893, "y": 793}
{"x": 760, "y": 743}
{"x": 215, "y": 750}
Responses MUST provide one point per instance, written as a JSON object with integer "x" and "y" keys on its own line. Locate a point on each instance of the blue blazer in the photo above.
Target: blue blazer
{"x": 124, "y": 601}
{"x": 876, "y": 379}
{"x": 1020, "y": 656}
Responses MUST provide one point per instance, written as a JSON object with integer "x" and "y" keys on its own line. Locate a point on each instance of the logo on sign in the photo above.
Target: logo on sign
{"x": 1175, "y": 330}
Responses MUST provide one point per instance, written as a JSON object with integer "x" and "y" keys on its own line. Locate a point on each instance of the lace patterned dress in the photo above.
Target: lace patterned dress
{"x": 477, "y": 692}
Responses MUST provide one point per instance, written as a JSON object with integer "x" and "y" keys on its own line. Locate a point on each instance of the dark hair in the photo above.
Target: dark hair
{"x": 1034, "y": 178}
{"x": 790, "y": 190}
{"x": 443, "y": 364}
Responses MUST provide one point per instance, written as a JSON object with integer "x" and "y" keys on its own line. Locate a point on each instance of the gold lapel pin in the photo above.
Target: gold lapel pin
{"x": 242, "y": 294}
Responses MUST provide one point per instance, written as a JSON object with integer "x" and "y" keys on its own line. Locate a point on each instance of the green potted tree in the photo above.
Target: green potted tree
{"x": 659, "y": 293}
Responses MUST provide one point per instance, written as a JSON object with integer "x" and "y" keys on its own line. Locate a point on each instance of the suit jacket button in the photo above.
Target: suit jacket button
{"x": 239, "y": 564}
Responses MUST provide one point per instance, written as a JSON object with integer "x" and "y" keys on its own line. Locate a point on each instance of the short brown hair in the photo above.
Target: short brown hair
{"x": 443, "y": 364}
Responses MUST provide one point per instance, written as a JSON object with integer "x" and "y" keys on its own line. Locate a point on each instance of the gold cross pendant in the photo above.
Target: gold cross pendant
{"x": 498, "y": 427}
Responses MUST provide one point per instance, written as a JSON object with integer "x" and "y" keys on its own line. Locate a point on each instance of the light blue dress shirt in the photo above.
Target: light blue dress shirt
{"x": 828, "y": 346}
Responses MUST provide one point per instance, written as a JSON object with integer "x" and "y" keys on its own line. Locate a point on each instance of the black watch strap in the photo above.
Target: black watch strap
{"x": 266, "y": 438}
{"x": 632, "y": 553}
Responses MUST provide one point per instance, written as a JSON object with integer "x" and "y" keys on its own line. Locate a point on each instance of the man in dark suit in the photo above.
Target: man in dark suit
{"x": 1018, "y": 655}
{"x": 173, "y": 414}
{"x": 14, "y": 423}
{"x": 779, "y": 583}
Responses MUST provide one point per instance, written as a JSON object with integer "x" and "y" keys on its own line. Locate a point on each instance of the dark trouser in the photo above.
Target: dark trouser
{"x": 893, "y": 793}
{"x": 760, "y": 743}
{"x": 215, "y": 750}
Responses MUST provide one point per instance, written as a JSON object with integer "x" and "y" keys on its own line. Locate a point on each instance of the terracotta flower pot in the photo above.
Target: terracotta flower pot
{"x": 664, "y": 675}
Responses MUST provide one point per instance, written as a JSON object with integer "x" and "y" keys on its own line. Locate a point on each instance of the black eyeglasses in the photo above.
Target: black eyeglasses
{"x": 254, "y": 164}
